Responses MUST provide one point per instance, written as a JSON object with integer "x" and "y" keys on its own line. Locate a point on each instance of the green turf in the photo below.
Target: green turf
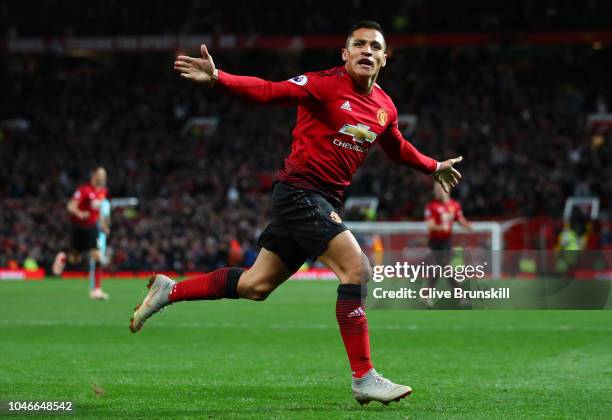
{"x": 283, "y": 358}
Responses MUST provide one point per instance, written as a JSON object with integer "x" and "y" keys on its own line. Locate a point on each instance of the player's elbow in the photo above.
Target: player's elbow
{"x": 394, "y": 156}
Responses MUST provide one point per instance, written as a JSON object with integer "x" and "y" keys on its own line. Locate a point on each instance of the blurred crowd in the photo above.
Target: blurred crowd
{"x": 145, "y": 17}
{"x": 517, "y": 116}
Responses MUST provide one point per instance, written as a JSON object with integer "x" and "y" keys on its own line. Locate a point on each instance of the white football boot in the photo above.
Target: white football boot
{"x": 160, "y": 288}
{"x": 373, "y": 387}
{"x": 98, "y": 294}
{"x": 59, "y": 263}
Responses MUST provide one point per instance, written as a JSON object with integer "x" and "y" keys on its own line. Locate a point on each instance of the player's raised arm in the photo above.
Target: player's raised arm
{"x": 403, "y": 152}
{"x": 203, "y": 70}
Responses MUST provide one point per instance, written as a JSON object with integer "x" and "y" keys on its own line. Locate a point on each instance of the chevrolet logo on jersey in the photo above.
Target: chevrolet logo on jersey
{"x": 359, "y": 132}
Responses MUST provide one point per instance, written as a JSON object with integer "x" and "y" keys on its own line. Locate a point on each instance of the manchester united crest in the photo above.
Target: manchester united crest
{"x": 334, "y": 216}
{"x": 381, "y": 116}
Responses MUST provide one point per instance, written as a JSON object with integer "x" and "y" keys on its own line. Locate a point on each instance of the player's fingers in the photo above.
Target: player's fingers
{"x": 456, "y": 173}
{"x": 443, "y": 185}
{"x": 182, "y": 67}
{"x": 185, "y": 58}
{"x": 456, "y": 160}
{"x": 204, "y": 51}
{"x": 186, "y": 76}
{"x": 185, "y": 63}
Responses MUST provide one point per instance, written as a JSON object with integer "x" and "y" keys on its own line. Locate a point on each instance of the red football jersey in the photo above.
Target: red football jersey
{"x": 89, "y": 198}
{"x": 337, "y": 125}
{"x": 443, "y": 213}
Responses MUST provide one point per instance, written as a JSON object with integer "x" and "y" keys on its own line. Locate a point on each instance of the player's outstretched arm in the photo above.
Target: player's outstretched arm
{"x": 403, "y": 152}
{"x": 203, "y": 70}
{"x": 446, "y": 175}
{"x": 199, "y": 70}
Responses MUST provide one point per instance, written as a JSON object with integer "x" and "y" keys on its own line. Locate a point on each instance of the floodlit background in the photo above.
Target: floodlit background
{"x": 521, "y": 89}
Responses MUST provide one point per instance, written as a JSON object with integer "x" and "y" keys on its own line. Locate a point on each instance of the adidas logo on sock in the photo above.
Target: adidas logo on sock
{"x": 356, "y": 313}
{"x": 346, "y": 106}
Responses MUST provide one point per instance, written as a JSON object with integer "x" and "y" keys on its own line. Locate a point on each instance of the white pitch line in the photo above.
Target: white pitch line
{"x": 305, "y": 326}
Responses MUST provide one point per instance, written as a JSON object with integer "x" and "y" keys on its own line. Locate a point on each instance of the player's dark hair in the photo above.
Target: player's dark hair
{"x": 368, "y": 24}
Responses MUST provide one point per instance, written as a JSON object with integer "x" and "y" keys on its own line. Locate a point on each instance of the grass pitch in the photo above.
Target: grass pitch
{"x": 283, "y": 358}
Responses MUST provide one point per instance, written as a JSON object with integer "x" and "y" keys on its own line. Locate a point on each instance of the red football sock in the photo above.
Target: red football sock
{"x": 353, "y": 324}
{"x": 217, "y": 284}
{"x": 97, "y": 276}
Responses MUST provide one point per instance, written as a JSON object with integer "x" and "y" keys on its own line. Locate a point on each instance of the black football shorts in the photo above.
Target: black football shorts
{"x": 303, "y": 223}
{"x": 84, "y": 238}
{"x": 440, "y": 244}
{"x": 441, "y": 248}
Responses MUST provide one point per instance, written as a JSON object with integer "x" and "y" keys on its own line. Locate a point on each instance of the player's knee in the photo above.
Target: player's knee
{"x": 360, "y": 273}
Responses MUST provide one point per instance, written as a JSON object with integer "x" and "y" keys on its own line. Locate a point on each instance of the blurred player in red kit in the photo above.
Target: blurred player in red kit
{"x": 84, "y": 209}
{"x": 341, "y": 114}
{"x": 440, "y": 214}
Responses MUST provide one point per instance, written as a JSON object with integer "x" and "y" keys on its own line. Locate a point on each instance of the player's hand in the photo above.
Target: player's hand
{"x": 447, "y": 176}
{"x": 83, "y": 215}
{"x": 199, "y": 70}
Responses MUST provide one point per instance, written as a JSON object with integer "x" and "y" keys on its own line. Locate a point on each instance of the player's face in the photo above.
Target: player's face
{"x": 364, "y": 54}
{"x": 99, "y": 178}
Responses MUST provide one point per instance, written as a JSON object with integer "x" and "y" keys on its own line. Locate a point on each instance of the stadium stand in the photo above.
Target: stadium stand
{"x": 516, "y": 113}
